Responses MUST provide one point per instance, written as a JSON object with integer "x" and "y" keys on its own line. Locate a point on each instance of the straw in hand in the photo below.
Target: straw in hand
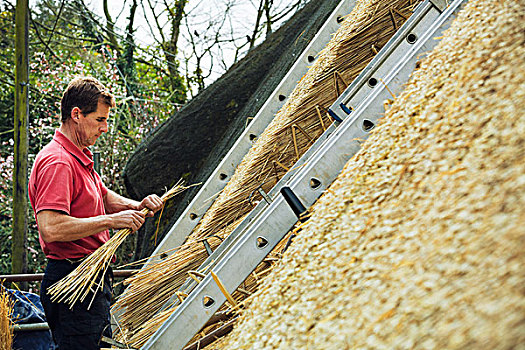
{"x": 87, "y": 277}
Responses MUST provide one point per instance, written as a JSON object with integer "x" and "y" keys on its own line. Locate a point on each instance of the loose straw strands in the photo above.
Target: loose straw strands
{"x": 87, "y": 277}
{"x": 6, "y": 322}
{"x": 136, "y": 329}
{"x": 139, "y": 338}
{"x": 154, "y": 284}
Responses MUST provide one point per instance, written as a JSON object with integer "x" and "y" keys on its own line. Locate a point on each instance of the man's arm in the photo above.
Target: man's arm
{"x": 55, "y": 226}
{"x": 114, "y": 203}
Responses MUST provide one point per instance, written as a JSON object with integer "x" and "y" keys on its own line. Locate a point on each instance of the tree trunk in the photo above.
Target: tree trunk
{"x": 18, "y": 250}
{"x": 267, "y": 6}
{"x": 170, "y": 51}
{"x": 110, "y": 28}
{"x": 127, "y": 61}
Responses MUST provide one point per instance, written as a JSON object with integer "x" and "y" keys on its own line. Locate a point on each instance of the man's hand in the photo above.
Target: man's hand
{"x": 152, "y": 202}
{"x": 115, "y": 203}
{"x": 132, "y": 219}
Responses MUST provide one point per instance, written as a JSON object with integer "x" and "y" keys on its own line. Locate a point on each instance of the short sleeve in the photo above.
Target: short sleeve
{"x": 54, "y": 188}
{"x": 102, "y": 187}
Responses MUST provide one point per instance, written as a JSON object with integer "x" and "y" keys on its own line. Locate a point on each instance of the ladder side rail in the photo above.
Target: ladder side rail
{"x": 382, "y": 64}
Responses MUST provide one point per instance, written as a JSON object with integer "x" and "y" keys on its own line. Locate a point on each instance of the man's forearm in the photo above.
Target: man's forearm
{"x": 114, "y": 203}
{"x": 57, "y": 227}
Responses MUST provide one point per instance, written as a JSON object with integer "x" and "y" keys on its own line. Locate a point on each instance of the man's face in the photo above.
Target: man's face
{"x": 92, "y": 125}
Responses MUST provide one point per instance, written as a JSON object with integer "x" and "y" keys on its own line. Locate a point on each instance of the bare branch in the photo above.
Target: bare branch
{"x": 55, "y": 24}
{"x": 40, "y": 37}
{"x": 110, "y": 27}
{"x": 257, "y": 22}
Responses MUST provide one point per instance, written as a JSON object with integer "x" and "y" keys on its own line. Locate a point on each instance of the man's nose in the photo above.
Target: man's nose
{"x": 104, "y": 127}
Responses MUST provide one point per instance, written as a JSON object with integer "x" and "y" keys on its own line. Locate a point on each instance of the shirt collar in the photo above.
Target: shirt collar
{"x": 84, "y": 156}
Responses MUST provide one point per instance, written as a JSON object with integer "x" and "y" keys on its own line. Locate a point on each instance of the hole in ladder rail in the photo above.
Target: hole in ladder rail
{"x": 208, "y": 301}
{"x": 193, "y": 216}
{"x": 411, "y": 38}
{"x": 311, "y": 58}
{"x": 261, "y": 242}
{"x": 163, "y": 256}
{"x": 340, "y": 19}
{"x": 372, "y": 82}
{"x": 252, "y": 137}
{"x": 282, "y": 98}
{"x": 368, "y": 125}
{"x": 315, "y": 183}
{"x": 223, "y": 176}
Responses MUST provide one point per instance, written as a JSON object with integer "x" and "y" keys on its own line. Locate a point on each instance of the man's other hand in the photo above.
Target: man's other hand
{"x": 152, "y": 202}
{"x": 132, "y": 219}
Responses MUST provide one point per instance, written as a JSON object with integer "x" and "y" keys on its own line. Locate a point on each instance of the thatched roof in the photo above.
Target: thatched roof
{"x": 349, "y": 51}
{"x": 419, "y": 242}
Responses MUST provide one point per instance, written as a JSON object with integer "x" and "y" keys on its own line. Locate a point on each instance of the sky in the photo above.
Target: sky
{"x": 205, "y": 18}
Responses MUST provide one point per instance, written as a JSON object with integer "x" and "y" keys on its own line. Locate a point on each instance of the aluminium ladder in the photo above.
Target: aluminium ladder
{"x": 237, "y": 257}
{"x": 350, "y": 98}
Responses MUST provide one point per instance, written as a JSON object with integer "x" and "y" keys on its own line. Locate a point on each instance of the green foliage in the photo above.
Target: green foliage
{"x": 75, "y": 47}
{"x": 7, "y": 81}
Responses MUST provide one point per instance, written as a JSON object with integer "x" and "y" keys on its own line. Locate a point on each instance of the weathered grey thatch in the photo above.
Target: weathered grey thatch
{"x": 192, "y": 142}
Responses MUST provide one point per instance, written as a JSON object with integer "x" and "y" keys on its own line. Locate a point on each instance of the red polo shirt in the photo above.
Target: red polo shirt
{"x": 63, "y": 179}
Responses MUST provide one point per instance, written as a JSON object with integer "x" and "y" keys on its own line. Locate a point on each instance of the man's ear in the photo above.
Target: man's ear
{"x": 75, "y": 114}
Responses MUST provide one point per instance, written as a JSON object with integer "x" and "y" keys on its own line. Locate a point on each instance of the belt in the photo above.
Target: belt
{"x": 75, "y": 260}
{"x": 69, "y": 260}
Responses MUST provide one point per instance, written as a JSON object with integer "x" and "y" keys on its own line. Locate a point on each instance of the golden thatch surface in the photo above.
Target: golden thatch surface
{"x": 419, "y": 242}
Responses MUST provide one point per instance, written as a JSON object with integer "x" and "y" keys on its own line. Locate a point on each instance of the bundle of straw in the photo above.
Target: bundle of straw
{"x": 297, "y": 125}
{"x": 136, "y": 329}
{"x": 6, "y": 322}
{"x": 87, "y": 277}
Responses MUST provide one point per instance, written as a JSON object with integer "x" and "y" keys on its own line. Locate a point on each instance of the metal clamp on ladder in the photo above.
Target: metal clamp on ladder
{"x": 321, "y": 165}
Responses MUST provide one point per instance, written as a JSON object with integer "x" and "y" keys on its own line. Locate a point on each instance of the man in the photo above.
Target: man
{"x": 74, "y": 211}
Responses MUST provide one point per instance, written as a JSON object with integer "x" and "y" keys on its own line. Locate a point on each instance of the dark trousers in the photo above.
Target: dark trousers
{"x": 76, "y": 328}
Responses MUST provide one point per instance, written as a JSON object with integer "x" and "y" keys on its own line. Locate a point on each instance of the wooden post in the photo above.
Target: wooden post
{"x": 18, "y": 250}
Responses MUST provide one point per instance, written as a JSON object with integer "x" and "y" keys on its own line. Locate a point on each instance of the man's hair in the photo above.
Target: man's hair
{"x": 84, "y": 93}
